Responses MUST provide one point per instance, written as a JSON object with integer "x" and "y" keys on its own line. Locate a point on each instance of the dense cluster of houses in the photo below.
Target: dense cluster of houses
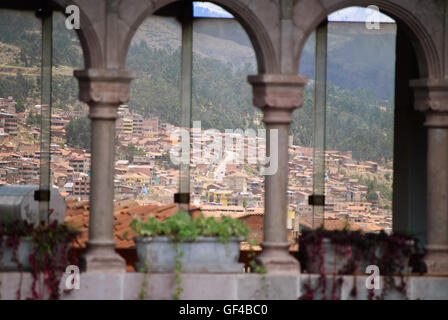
{"x": 218, "y": 188}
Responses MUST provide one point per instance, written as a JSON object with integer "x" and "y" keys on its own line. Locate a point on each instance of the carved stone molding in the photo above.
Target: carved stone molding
{"x": 436, "y": 119}
{"x": 277, "y": 95}
{"x": 430, "y": 95}
{"x": 104, "y": 90}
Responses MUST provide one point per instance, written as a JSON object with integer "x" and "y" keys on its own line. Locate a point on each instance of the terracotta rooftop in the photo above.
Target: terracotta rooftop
{"x": 77, "y": 215}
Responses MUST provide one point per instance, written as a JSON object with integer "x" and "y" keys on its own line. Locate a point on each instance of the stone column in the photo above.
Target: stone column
{"x": 431, "y": 97}
{"x": 103, "y": 90}
{"x": 277, "y": 96}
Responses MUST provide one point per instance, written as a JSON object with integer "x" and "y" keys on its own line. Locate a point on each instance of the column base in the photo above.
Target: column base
{"x": 436, "y": 259}
{"x": 276, "y": 258}
{"x": 101, "y": 257}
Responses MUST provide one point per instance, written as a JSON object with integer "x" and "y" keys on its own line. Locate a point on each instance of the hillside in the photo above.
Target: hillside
{"x": 223, "y": 39}
{"x": 357, "y": 57}
{"x": 360, "y": 73}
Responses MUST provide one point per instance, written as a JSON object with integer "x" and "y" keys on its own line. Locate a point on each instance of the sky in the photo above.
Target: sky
{"x": 207, "y": 9}
{"x": 352, "y": 14}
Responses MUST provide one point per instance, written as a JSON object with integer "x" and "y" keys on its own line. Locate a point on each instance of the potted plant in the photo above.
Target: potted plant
{"x": 325, "y": 251}
{"x": 198, "y": 244}
{"x": 184, "y": 244}
{"x": 391, "y": 252}
{"x": 341, "y": 252}
{"x": 15, "y": 246}
{"x": 38, "y": 248}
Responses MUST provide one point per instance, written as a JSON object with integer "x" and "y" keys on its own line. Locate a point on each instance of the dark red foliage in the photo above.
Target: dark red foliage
{"x": 388, "y": 252}
{"x": 48, "y": 257}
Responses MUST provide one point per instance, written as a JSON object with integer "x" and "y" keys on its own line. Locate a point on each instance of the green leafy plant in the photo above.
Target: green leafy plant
{"x": 143, "y": 292}
{"x": 177, "y": 272}
{"x": 182, "y": 227}
{"x": 251, "y": 255}
{"x": 256, "y": 268}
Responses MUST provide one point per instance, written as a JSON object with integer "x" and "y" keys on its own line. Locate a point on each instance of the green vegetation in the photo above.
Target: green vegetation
{"x": 130, "y": 151}
{"x": 22, "y": 30}
{"x": 379, "y": 191}
{"x": 357, "y": 58}
{"x": 355, "y": 122}
{"x": 33, "y": 119}
{"x": 78, "y": 133}
{"x": 182, "y": 226}
{"x": 18, "y": 86}
{"x": 371, "y": 196}
{"x": 20, "y": 107}
{"x": 224, "y": 103}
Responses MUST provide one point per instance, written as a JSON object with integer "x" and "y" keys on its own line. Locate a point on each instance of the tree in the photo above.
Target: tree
{"x": 372, "y": 196}
{"x": 77, "y": 133}
{"x": 22, "y": 84}
{"x": 130, "y": 152}
{"x": 33, "y": 119}
{"x": 20, "y": 107}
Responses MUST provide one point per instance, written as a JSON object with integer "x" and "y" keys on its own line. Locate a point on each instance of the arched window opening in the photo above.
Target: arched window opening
{"x": 39, "y": 99}
{"x": 192, "y": 76}
{"x": 342, "y": 161}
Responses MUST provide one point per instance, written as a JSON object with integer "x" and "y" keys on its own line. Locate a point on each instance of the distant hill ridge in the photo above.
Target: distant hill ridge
{"x": 360, "y": 77}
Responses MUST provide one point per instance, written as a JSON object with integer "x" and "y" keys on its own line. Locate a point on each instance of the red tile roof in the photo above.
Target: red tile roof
{"x": 77, "y": 215}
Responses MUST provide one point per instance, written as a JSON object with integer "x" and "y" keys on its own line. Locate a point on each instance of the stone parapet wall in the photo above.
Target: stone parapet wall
{"x": 161, "y": 286}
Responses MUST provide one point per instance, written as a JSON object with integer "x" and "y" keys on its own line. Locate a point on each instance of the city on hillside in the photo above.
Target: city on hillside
{"x": 358, "y": 193}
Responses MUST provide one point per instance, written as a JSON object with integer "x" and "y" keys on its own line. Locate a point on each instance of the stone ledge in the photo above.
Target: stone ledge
{"x": 417, "y": 287}
{"x": 161, "y": 286}
{"x": 222, "y": 286}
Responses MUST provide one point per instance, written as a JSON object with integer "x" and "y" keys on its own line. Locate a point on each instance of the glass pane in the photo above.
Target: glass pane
{"x": 144, "y": 170}
{"x": 227, "y": 144}
{"x": 359, "y": 126}
{"x": 22, "y": 108}
{"x": 319, "y": 124}
{"x": 186, "y": 91}
{"x": 301, "y": 152}
{"x": 359, "y": 132}
{"x": 70, "y": 128}
{"x": 45, "y": 127}
{"x": 20, "y": 97}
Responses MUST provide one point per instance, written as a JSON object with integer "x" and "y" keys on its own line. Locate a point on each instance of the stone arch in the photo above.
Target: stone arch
{"x": 267, "y": 60}
{"x": 427, "y": 54}
{"x": 88, "y": 38}
{"x": 90, "y": 44}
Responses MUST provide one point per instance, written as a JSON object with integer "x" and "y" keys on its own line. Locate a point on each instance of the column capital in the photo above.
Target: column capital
{"x": 430, "y": 95}
{"x": 277, "y": 95}
{"x": 104, "y": 90}
{"x": 436, "y": 119}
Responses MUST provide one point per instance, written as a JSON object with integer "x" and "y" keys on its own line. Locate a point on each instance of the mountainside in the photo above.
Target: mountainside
{"x": 221, "y": 39}
{"x": 357, "y": 57}
{"x": 360, "y": 75}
